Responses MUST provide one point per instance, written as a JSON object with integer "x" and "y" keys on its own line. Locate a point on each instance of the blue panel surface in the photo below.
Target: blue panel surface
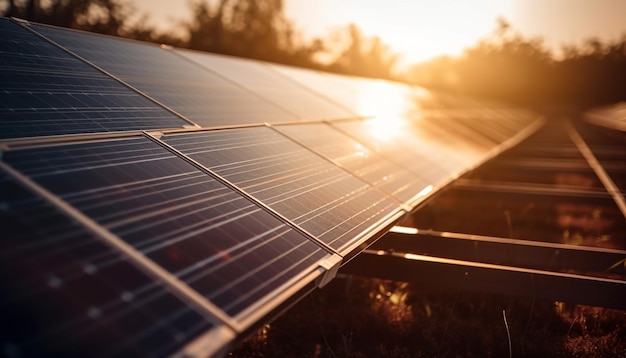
{"x": 325, "y": 200}
{"x": 65, "y": 293}
{"x": 424, "y": 154}
{"x": 219, "y": 243}
{"x": 356, "y": 157}
{"x": 268, "y": 83}
{"x": 196, "y": 93}
{"x": 46, "y": 91}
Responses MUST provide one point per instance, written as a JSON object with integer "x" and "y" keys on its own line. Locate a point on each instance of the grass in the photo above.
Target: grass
{"x": 358, "y": 317}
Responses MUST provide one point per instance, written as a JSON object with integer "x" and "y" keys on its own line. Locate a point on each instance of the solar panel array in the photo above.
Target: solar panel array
{"x": 546, "y": 219}
{"x": 157, "y": 201}
{"x": 613, "y": 116}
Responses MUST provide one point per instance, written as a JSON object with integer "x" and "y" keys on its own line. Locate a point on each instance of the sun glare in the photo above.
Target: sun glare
{"x": 389, "y": 104}
{"x": 419, "y": 30}
{"x": 386, "y": 128}
{"x": 361, "y": 151}
{"x": 380, "y": 99}
{"x": 404, "y": 230}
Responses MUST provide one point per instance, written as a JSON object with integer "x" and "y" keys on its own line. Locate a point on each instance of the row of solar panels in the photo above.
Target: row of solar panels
{"x": 613, "y": 116}
{"x": 157, "y": 201}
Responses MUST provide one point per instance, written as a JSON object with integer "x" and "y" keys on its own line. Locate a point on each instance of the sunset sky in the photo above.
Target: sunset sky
{"x": 420, "y": 30}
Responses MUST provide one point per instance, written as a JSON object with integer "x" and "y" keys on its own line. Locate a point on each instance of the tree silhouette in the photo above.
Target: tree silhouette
{"x": 505, "y": 66}
{"x": 103, "y": 16}
{"x": 512, "y": 68}
{"x": 363, "y": 56}
{"x": 246, "y": 28}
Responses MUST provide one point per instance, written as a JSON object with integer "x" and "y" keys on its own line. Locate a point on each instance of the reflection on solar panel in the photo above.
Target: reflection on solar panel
{"x": 194, "y": 92}
{"x": 542, "y": 219}
{"x": 217, "y": 242}
{"x": 437, "y": 161}
{"x": 607, "y": 147}
{"x": 164, "y": 237}
{"x": 326, "y": 201}
{"x": 611, "y": 116}
{"x": 360, "y": 160}
{"x": 363, "y": 97}
{"x": 46, "y": 91}
{"x": 64, "y": 292}
{"x": 270, "y": 84}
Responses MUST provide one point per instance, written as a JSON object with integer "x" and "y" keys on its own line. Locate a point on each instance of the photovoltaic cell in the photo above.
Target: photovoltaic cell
{"x": 272, "y": 85}
{"x": 356, "y": 157}
{"x": 210, "y": 237}
{"x": 491, "y": 124}
{"x": 326, "y": 201}
{"x": 65, "y": 293}
{"x": 285, "y": 196}
{"x": 46, "y": 91}
{"x": 464, "y": 145}
{"x": 481, "y": 127}
{"x": 423, "y": 154}
{"x": 350, "y": 92}
{"x": 364, "y": 97}
{"x": 607, "y": 145}
{"x": 455, "y": 123}
{"x": 613, "y": 116}
{"x": 491, "y": 129}
{"x": 196, "y": 93}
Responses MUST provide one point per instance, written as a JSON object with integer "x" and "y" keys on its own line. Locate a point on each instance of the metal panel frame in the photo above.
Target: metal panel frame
{"x": 362, "y": 240}
{"x": 26, "y": 25}
{"x": 319, "y": 273}
{"x": 497, "y": 250}
{"x": 467, "y": 275}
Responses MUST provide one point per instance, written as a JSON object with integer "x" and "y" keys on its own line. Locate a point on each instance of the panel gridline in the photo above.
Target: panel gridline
{"x": 65, "y": 293}
{"x": 345, "y": 90}
{"x": 210, "y": 237}
{"x": 272, "y": 85}
{"x": 219, "y": 243}
{"x": 461, "y": 145}
{"x": 416, "y": 153}
{"x": 46, "y": 91}
{"x": 323, "y": 199}
{"x": 187, "y": 88}
{"x": 442, "y": 124}
{"x": 364, "y": 162}
{"x": 436, "y": 148}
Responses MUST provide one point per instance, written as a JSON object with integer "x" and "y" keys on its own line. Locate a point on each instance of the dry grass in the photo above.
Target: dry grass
{"x": 355, "y": 317}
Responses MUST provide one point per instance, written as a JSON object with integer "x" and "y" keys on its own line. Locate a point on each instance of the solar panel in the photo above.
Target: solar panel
{"x": 457, "y": 124}
{"x": 543, "y": 190}
{"x": 609, "y": 163}
{"x": 364, "y": 97}
{"x": 326, "y": 201}
{"x": 189, "y": 237}
{"x": 607, "y": 146}
{"x": 613, "y": 116}
{"x": 480, "y": 123}
{"x": 272, "y": 85}
{"x": 462, "y": 146}
{"x": 194, "y": 92}
{"x": 358, "y": 159}
{"x": 491, "y": 129}
{"x": 344, "y": 91}
{"x": 424, "y": 155}
{"x": 433, "y": 146}
{"x": 217, "y": 242}
{"x": 46, "y": 91}
{"x": 66, "y": 293}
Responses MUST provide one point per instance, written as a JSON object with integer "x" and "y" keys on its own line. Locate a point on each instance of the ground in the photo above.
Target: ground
{"x": 362, "y": 317}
